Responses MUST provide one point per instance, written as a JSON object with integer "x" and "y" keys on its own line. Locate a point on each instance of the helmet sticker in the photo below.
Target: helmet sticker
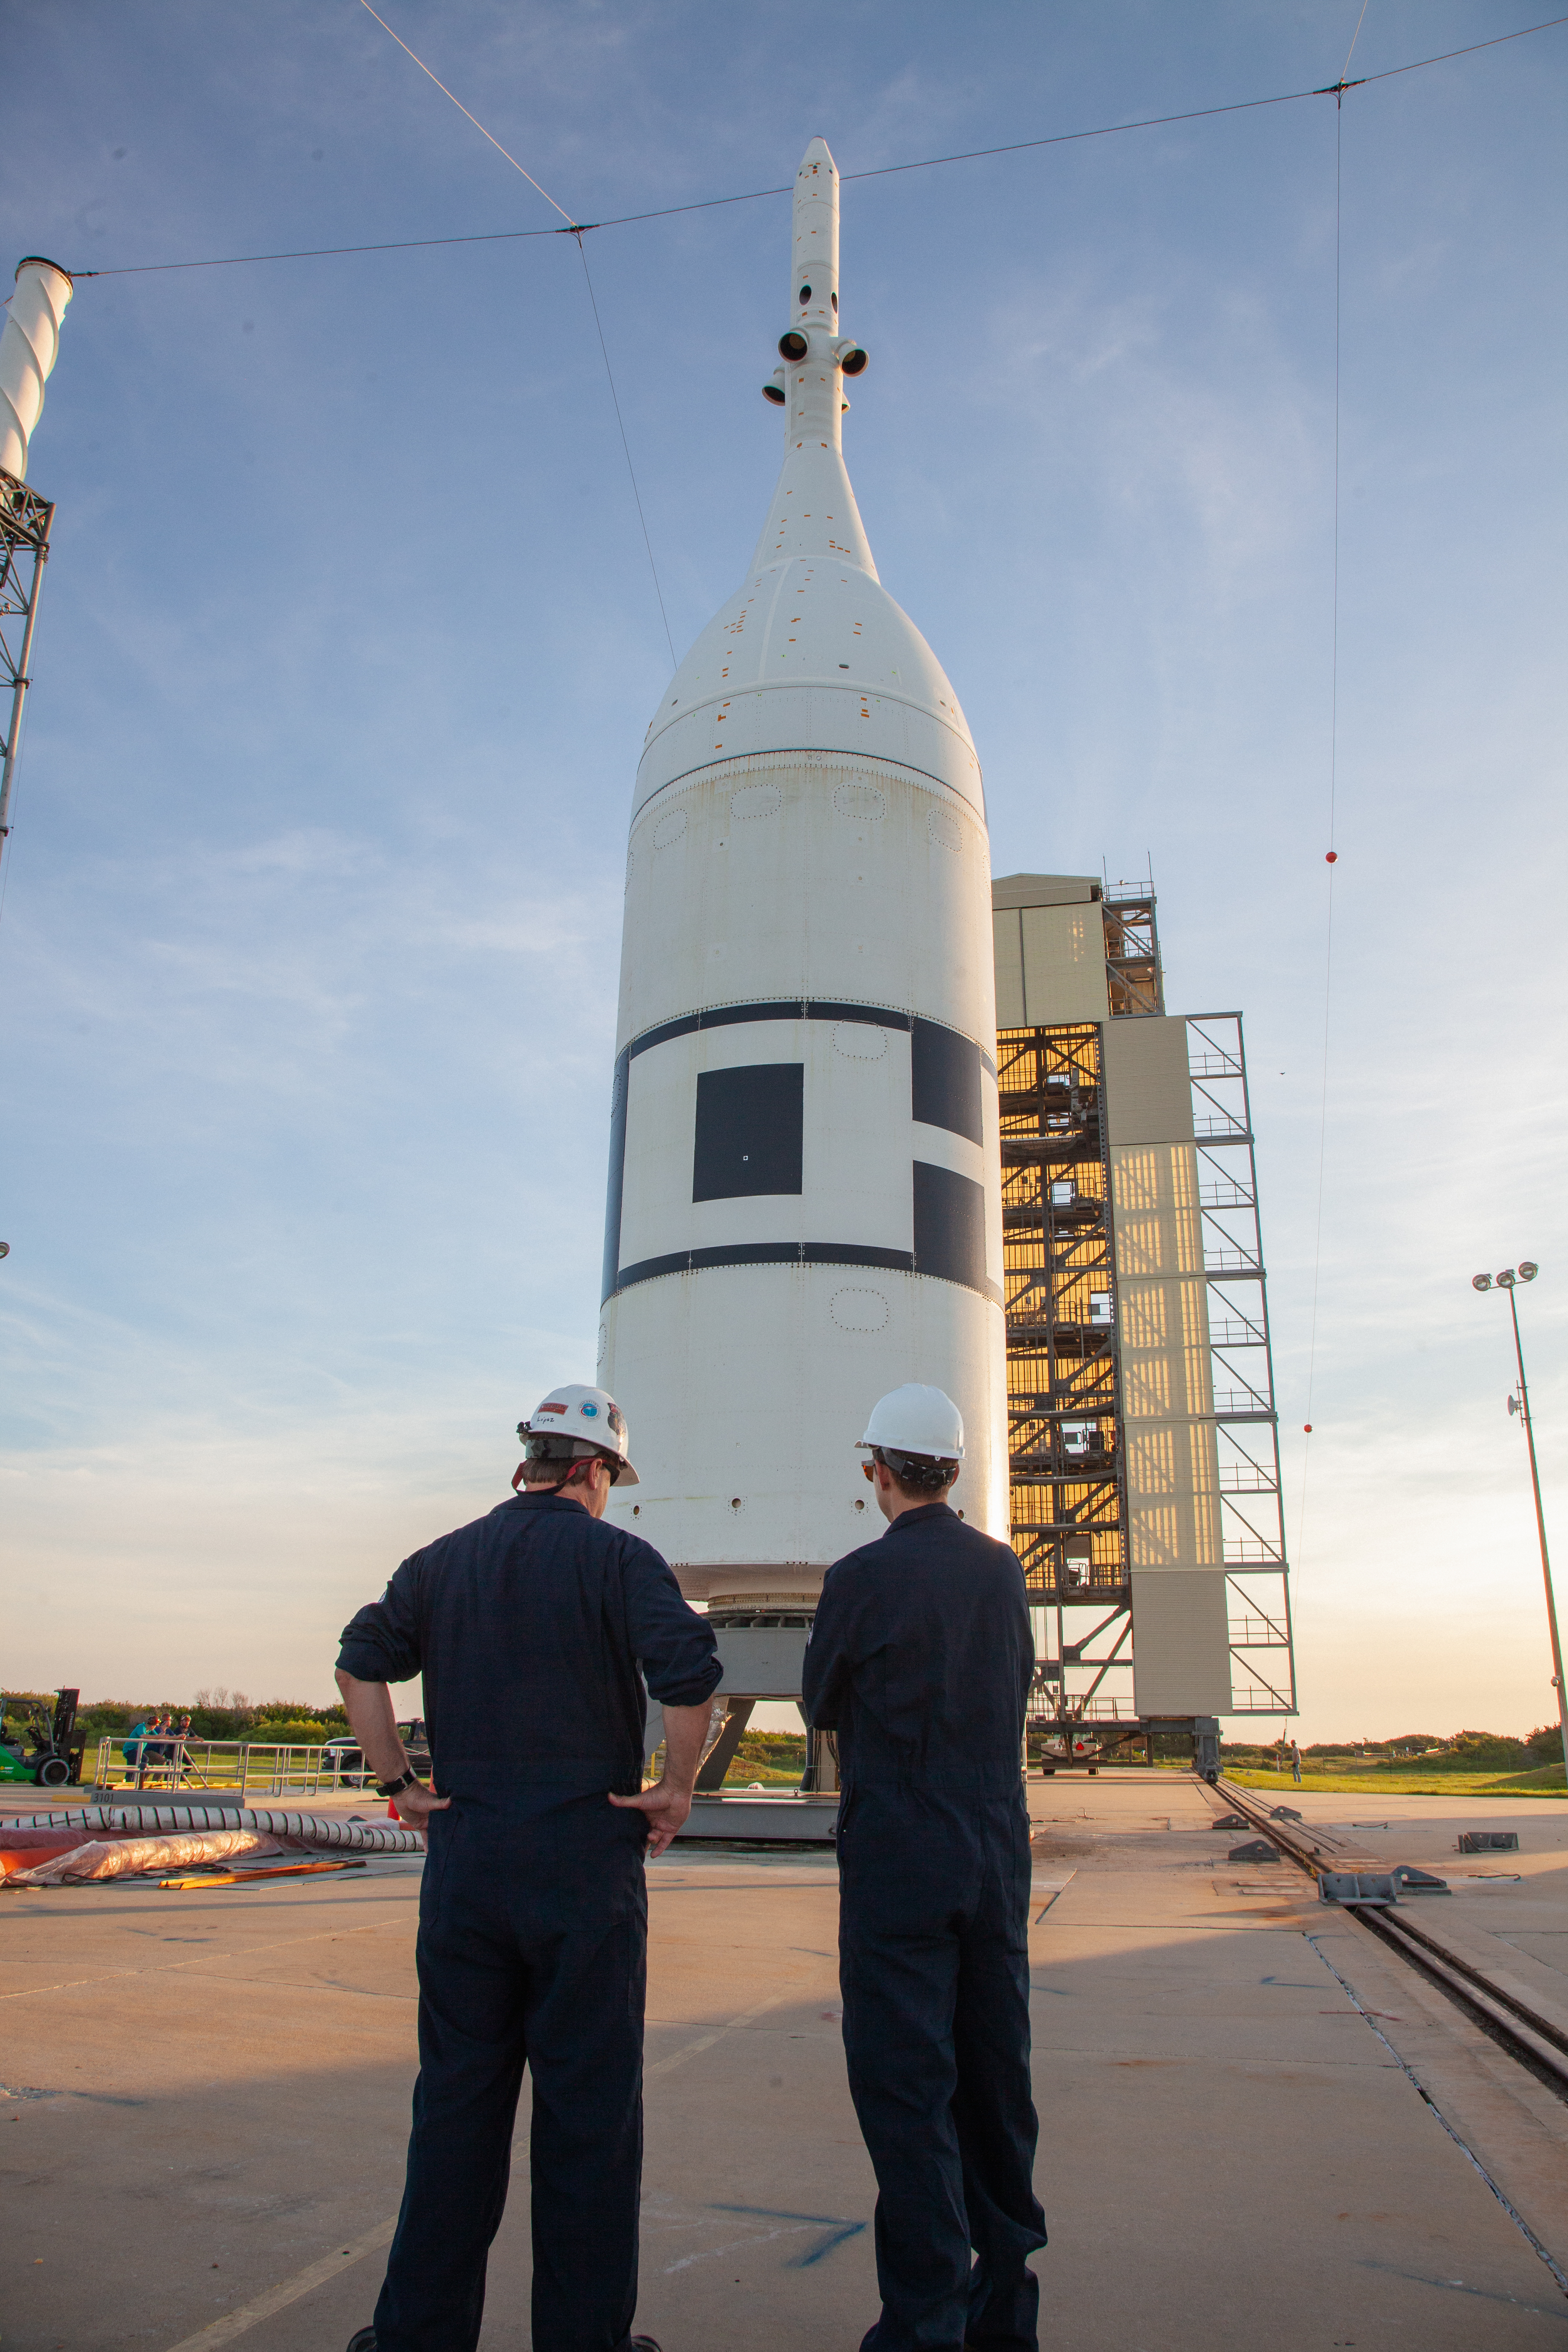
{"x": 551, "y": 1408}
{"x": 589, "y": 1409}
{"x": 617, "y": 1420}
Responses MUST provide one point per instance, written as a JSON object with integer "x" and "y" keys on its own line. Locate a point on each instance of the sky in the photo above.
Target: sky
{"x": 310, "y": 928}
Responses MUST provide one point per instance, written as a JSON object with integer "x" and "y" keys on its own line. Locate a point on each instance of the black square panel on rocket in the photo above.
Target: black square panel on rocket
{"x": 950, "y": 1226}
{"x": 751, "y": 1125}
{"x": 945, "y": 1079}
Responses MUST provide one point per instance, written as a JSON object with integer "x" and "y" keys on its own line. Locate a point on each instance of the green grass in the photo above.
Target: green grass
{"x": 1408, "y": 1780}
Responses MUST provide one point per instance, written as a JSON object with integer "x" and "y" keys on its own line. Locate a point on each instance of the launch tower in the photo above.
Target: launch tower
{"x": 1143, "y": 1432}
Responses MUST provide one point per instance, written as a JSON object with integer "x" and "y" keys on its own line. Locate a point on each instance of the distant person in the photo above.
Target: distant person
{"x": 131, "y": 1748}
{"x": 921, "y": 1659}
{"x": 529, "y": 1627}
{"x": 152, "y": 1751}
{"x": 1294, "y": 1764}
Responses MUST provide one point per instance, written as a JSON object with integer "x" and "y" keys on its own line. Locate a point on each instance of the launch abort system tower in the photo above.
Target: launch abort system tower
{"x": 1143, "y": 1434}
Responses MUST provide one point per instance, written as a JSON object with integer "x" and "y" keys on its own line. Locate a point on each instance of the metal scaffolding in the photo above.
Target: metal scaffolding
{"x": 1258, "y": 1585}
{"x": 1069, "y": 1492}
{"x": 1132, "y": 971}
{"x": 24, "y": 519}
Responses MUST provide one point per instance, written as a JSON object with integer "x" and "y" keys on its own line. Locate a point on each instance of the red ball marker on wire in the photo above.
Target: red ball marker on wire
{"x": 1331, "y": 858}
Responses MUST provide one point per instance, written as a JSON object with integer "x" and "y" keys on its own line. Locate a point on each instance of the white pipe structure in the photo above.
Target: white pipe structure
{"x": 804, "y": 1193}
{"x": 29, "y": 345}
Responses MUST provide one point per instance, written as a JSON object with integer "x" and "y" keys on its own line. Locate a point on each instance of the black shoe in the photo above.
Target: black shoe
{"x": 362, "y": 2341}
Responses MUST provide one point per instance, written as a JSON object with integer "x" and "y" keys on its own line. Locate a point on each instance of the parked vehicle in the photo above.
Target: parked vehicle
{"x": 42, "y": 1747}
{"x": 348, "y": 1758}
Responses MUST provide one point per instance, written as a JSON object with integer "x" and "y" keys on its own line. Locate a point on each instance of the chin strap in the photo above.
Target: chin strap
{"x": 517, "y": 1479}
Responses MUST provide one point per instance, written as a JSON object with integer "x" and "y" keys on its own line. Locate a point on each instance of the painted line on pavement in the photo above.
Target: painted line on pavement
{"x": 277, "y": 2298}
{"x": 706, "y": 2041}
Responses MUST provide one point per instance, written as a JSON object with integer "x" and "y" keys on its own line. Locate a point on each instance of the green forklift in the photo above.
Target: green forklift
{"x": 38, "y": 1745}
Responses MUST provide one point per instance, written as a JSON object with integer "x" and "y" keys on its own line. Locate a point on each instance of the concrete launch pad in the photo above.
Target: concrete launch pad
{"x": 206, "y": 2101}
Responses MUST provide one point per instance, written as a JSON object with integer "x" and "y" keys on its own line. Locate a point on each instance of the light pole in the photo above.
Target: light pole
{"x": 1507, "y": 1280}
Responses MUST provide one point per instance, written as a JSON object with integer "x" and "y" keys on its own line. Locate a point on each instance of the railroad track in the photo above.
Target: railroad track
{"x": 1538, "y": 2042}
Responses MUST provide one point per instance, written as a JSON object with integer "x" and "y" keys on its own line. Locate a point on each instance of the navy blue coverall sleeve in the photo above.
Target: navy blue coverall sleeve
{"x": 674, "y": 1646}
{"x": 382, "y": 1643}
{"x": 832, "y": 1654}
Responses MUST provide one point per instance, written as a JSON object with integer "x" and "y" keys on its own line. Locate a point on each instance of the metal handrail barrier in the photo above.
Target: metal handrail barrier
{"x": 267, "y": 1768}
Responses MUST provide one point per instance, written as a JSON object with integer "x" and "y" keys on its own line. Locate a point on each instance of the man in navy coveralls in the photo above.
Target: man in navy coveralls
{"x": 921, "y": 1659}
{"x": 529, "y": 1627}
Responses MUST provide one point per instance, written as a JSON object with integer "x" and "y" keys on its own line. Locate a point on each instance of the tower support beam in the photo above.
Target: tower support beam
{"x": 24, "y": 521}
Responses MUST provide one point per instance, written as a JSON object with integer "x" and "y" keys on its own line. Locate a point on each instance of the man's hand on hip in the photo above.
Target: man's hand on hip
{"x": 665, "y": 1806}
{"x": 416, "y": 1803}
{"x": 668, "y": 1802}
{"x": 371, "y": 1720}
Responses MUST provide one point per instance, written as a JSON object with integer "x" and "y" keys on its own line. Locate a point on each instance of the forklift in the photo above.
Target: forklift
{"x": 41, "y": 1747}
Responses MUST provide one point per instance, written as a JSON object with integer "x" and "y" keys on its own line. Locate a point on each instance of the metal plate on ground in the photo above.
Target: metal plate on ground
{"x": 763, "y": 1821}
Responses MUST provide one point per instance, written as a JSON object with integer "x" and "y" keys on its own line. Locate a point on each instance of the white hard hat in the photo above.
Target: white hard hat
{"x": 917, "y": 1420}
{"x": 589, "y": 1417}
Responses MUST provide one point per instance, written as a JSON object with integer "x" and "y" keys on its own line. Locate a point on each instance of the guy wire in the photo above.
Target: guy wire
{"x": 626, "y": 445}
{"x": 755, "y": 196}
{"x": 474, "y": 119}
{"x": 1332, "y": 857}
{"x": 571, "y": 229}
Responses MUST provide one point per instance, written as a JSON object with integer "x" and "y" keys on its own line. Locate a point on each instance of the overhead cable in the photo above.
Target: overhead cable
{"x": 755, "y": 196}
{"x": 474, "y": 119}
{"x": 573, "y": 229}
{"x": 626, "y": 445}
{"x": 1332, "y": 855}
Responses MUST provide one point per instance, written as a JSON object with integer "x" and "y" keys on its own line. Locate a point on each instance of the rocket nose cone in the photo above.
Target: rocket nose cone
{"x": 819, "y": 157}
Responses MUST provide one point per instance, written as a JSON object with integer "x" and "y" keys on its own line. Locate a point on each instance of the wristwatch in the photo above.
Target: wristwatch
{"x": 395, "y": 1787}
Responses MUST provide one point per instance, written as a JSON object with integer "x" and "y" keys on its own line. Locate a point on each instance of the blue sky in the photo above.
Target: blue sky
{"x": 311, "y": 924}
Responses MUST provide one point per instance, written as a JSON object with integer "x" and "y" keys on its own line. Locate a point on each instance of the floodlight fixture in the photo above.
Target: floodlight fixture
{"x": 1508, "y": 1280}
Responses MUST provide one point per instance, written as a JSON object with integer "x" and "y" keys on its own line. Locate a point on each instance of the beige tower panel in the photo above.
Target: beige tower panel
{"x": 1007, "y": 932}
{"x": 1159, "y": 1231}
{"x": 1173, "y": 1496}
{"x": 1064, "y": 963}
{"x": 1050, "y": 949}
{"x": 1164, "y": 1348}
{"x": 1176, "y": 1540}
{"x": 1146, "y": 1083}
{"x": 1172, "y": 1467}
{"x": 1181, "y": 1652}
{"x": 1017, "y": 891}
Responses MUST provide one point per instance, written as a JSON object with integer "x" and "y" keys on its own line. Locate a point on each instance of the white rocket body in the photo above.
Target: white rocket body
{"x": 805, "y": 1193}
{"x": 29, "y": 344}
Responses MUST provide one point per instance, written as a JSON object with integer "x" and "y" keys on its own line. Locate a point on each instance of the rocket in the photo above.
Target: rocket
{"x": 805, "y": 1204}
